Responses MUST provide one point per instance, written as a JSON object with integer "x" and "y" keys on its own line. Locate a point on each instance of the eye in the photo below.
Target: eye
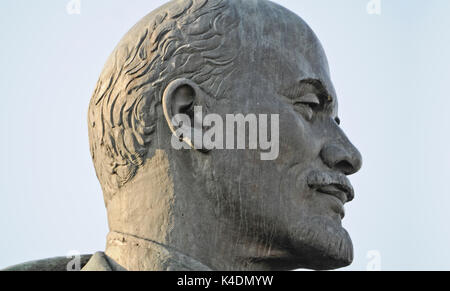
{"x": 338, "y": 121}
{"x": 309, "y": 99}
{"x": 307, "y": 105}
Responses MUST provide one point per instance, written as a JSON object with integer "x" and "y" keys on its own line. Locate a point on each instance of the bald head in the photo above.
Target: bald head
{"x": 225, "y": 208}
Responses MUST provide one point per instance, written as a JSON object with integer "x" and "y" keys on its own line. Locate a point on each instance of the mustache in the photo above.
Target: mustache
{"x": 330, "y": 182}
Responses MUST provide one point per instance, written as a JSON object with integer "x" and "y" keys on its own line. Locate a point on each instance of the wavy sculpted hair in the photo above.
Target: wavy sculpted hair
{"x": 185, "y": 38}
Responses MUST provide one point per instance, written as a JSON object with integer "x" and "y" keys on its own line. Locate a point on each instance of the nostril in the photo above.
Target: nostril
{"x": 345, "y": 167}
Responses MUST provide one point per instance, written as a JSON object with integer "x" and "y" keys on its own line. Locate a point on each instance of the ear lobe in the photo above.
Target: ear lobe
{"x": 181, "y": 102}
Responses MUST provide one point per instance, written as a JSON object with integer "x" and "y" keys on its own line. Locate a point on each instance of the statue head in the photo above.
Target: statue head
{"x": 227, "y": 209}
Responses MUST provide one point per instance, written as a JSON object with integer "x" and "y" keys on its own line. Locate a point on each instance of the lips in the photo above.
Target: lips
{"x": 332, "y": 183}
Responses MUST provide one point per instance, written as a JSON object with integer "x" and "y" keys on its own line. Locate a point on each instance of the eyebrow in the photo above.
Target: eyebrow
{"x": 295, "y": 90}
{"x": 318, "y": 85}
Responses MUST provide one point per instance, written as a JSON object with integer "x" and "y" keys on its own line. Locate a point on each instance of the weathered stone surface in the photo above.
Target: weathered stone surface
{"x": 201, "y": 208}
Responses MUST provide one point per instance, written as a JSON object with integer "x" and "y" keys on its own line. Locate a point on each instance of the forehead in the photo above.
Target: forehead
{"x": 282, "y": 45}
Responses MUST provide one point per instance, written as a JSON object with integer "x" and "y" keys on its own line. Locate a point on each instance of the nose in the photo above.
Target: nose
{"x": 342, "y": 156}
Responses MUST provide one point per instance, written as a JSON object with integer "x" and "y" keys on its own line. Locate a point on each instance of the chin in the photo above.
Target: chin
{"x": 320, "y": 244}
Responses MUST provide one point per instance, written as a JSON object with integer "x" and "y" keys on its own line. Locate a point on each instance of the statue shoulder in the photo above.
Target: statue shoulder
{"x": 51, "y": 264}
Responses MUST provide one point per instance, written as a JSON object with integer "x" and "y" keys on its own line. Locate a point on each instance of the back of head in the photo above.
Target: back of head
{"x": 188, "y": 38}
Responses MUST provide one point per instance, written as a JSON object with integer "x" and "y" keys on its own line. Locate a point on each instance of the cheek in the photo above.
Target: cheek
{"x": 296, "y": 137}
{"x": 297, "y": 141}
{"x": 299, "y": 154}
{"x": 282, "y": 183}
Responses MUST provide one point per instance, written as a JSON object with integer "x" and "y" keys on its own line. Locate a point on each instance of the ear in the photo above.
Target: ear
{"x": 184, "y": 104}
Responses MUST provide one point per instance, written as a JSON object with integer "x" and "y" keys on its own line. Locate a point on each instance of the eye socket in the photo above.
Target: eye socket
{"x": 308, "y": 97}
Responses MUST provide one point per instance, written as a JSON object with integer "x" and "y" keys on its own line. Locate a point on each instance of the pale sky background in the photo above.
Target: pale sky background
{"x": 391, "y": 73}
